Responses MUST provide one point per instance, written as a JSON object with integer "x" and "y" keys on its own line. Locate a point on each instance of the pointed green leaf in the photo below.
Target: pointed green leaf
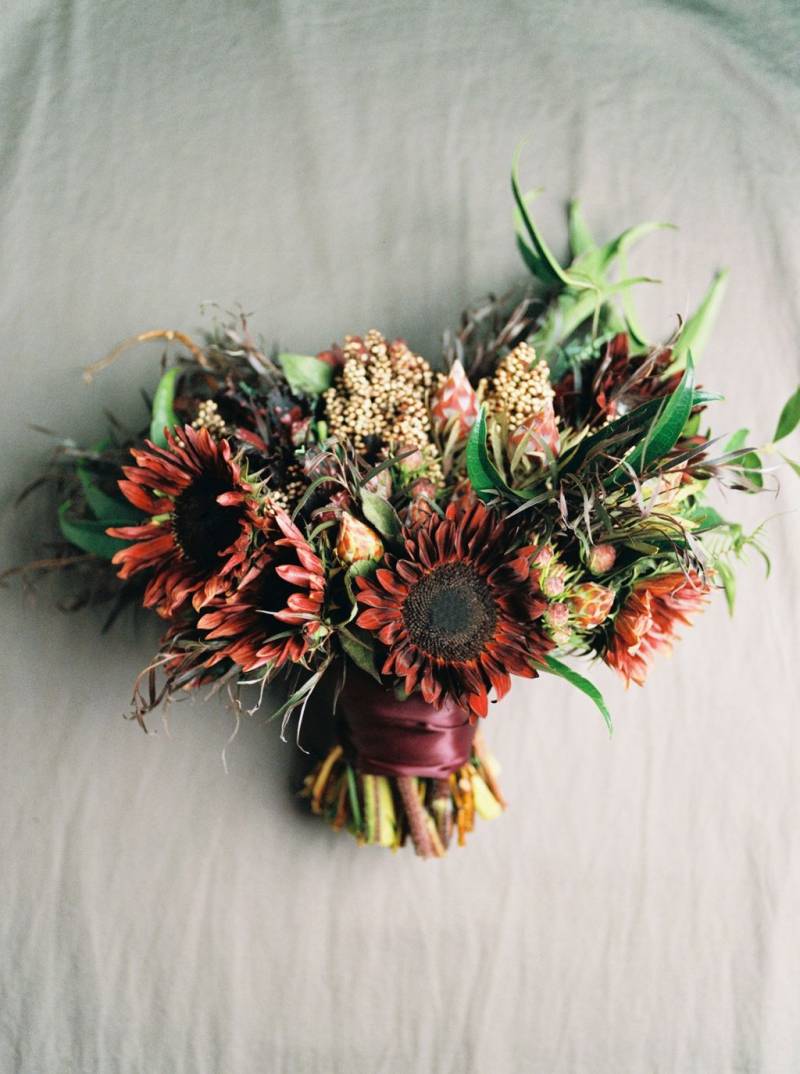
{"x": 737, "y": 440}
{"x": 605, "y": 256}
{"x": 750, "y": 464}
{"x": 789, "y": 419}
{"x": 697, "y": 329}
{"x": 794, "y": 465}
{"x": 355, "y": 806}
{"x": 555, "y": 667}
{"x": 628, "y": 426}
{"x": 552, "y": 268}
{"x": 580, "y": 239}
{"x": 90, "y": 535}
{"x": 360, "y": 652}
{"x": 705, "y": 518}
{"x": 665, "y": 431}
{"x": 535, "y": 265}
{"x": 380, "y": 513}
{"x": 481, "y": 471}
{"x": 111, "y": 510}
{"x": 306, "y": 375}
{"x": 163, "y": 415}
{"x": 728, "y": 579}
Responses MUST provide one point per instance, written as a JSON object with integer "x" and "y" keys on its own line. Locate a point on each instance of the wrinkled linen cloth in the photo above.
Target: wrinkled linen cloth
{"x": 335, "y": 167}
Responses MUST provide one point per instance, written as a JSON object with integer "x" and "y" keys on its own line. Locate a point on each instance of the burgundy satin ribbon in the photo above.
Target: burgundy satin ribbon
{"x": 402, "y": 738}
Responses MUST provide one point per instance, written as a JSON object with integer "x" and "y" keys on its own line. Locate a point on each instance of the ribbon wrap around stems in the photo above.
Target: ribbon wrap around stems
{"x": 401, "y": 738}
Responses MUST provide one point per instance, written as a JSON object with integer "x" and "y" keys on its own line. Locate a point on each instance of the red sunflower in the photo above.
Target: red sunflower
{"x": 646, "y": 622}
{"x": 202, "y": 519}
{"x": 457, "y": 613}
{"x": 275, "y": 612}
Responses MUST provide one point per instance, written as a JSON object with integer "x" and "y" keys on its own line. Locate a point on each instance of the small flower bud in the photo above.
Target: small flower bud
{"x": 412, "y": 458}
{"x": 380, "y": 484}
{"x": 455, "y": 400}
{"x": 423, "y": 494}
{"x": 561, "y": 635}
{"x": 602, "y": 558}
{"x": 554, "y": 581}
{"x": 543, "y": 555}
{"x": 557, "y": 615}
{"x": 591, "y": 604}
{"x": 357, "y": 541}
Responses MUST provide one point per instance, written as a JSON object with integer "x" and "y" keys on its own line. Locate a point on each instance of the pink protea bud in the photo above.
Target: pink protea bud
{"x": 456, "y": 399}
{"x": 602, "y": 558}
{"x": 591, "y": 604}
{"x": 557, "y": 615}
{"x": 561, "y": 635}
{"x": 411, "y": 460}
{"x": 539, "y": 432}
{"x": 543, "y": 556}
{"x": 380, "y": 484}
{"x": 357, "y": 541}
{"x": 554, "y": 581}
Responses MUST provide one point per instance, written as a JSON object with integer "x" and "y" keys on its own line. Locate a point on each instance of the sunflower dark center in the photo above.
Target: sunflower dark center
{"x": 451, "y": 612}
{"x": 202, "y": 527}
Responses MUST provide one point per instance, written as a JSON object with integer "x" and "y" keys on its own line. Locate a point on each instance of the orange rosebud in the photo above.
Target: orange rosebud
{"x": 456, "y": 399}
{"x": 591, "y": 604}
{"x": 357, "y": 541}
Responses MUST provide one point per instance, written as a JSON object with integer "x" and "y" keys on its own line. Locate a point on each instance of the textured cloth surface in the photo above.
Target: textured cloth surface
{"x": 334, "y": 167}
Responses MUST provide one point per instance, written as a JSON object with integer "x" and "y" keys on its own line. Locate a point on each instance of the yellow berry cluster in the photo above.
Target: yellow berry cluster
{"x": 379, "y": 399}
{"x": 520, "y": 386}
{"x": 209, "y": 417}
{"x": 291, "y": 489}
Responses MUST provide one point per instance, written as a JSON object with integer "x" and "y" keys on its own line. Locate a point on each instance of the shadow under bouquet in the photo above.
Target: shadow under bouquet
{"x": 396, "y": 542}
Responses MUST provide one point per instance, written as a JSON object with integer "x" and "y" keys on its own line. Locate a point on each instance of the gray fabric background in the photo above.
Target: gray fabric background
{"x": 338, "y": 166}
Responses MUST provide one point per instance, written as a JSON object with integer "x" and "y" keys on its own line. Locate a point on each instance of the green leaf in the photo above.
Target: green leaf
{"x": 580, "y": 240}
{"x": 789, "y": 419}
{"x": 737, "y": 440}
{"x": 603, "y": 258}
{"x": 750, "y": 464}
{"x": 381, "y": 514}
{"x": 362, "y": 654}
{"x": 361, "y": 568}
{"x": 665, "y": 432}
{"x": 534, "y": 264}
{"x": 352, "y": 790}
{"x": 551, "y": 269}
{"x": 481, "y": 471}
{"x": 694, "y": 334}
{"x": 628, "y": 426}
{"x": 103, "y": 506}
{"x": 728, "y": 584}
{"x": 705, "y": 518}
{"x": 163, "y": 414}
{"x": 571, "y": 308}
{"x": 306, "y": 375}
{"x": 794, "y": 465}
{"x": 555, "y": 667}
{"x": 90, "y": 535}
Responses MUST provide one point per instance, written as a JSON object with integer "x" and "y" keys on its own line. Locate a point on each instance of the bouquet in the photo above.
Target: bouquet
{"x": 396, "y": 541}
